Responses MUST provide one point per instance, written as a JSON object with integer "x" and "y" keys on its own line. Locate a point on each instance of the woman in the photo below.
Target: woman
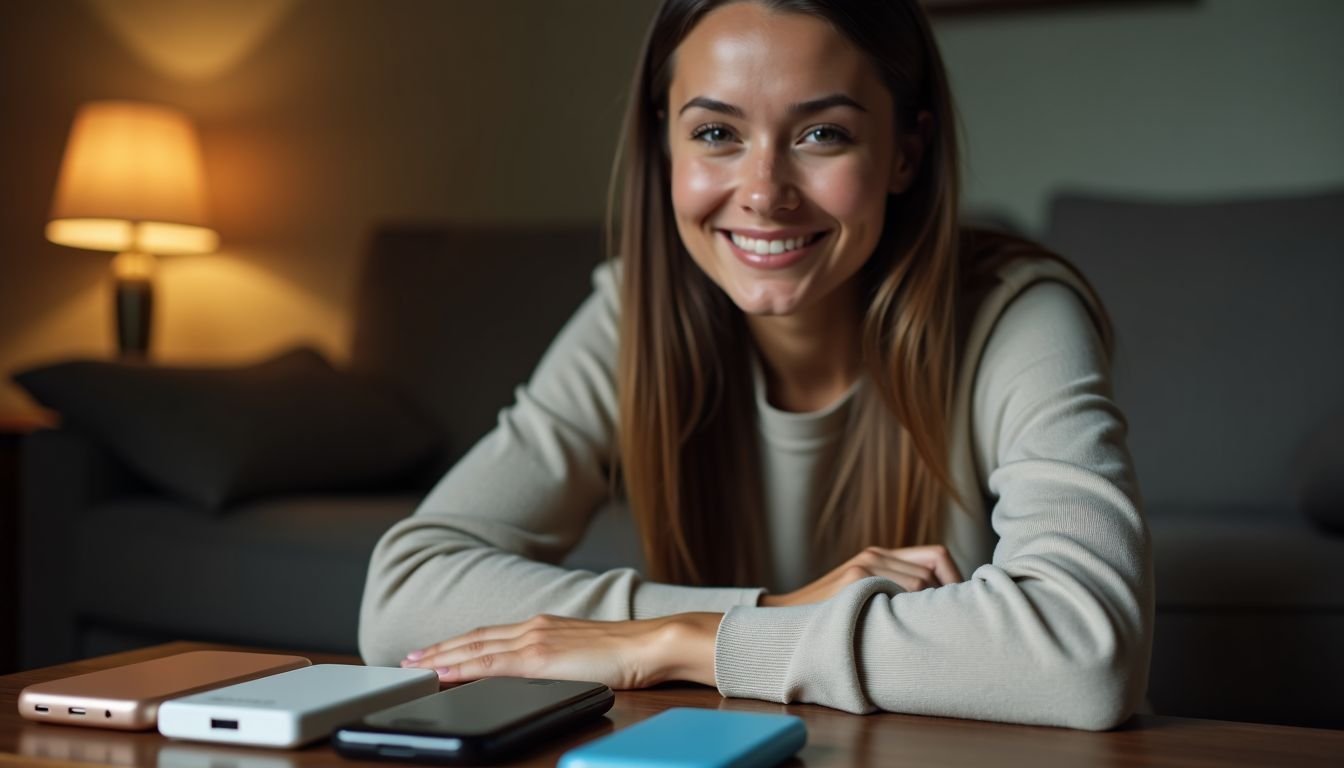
{"x": 802, "y": 375}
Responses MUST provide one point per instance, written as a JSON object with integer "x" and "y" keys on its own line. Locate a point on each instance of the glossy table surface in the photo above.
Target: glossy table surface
{"x": 834, "y": 738}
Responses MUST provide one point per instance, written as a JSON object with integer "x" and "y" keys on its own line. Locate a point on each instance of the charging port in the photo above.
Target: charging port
{"x": 229, "y": 725}
{"x": 42, "y": 708}
{"x": 76, "y": 710}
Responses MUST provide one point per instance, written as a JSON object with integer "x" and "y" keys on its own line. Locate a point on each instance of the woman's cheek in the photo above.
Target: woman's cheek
{"x": 697, "y": 189}
{"x": 846, "y": 190}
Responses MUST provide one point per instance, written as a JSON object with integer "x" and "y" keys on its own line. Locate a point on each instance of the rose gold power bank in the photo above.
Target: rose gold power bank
{"x": 128, "y": 697}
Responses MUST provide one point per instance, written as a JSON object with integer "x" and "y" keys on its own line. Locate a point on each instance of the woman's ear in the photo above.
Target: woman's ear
{"x": 910, "y": 153}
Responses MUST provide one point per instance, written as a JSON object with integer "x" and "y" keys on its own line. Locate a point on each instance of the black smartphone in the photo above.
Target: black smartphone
{"x": 483, "y": 721}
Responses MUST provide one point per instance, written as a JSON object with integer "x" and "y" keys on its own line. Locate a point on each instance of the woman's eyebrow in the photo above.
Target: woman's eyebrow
{"x": 824, "y": 103}
{"x": 713, "y": 105}
{"x": 802, "y": 108}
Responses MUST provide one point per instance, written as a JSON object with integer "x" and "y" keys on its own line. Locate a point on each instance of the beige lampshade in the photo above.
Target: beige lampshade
{"x": 131, "y": 180}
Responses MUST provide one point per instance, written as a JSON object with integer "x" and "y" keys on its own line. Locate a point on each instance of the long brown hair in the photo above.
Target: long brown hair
{"x": 687, "y": 435}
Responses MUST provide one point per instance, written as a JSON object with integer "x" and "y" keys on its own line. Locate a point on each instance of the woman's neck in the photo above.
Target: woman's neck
{"x": 812, "y": 357}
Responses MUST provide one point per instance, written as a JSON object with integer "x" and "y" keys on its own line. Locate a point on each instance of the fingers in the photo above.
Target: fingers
{"x": 419, "y": 657}
{"x": 500, "y": 658}
{"x": 484, "y": 658}
{"x": 913, "y": 568}
{"x": 491, "y": 665}
{"x": 933, "y": 556}
{"x": 480, "y": 635}
{"x": 517, "y": 656}
{"x": 910, "y": 575}
{"x": 545, "y": 647}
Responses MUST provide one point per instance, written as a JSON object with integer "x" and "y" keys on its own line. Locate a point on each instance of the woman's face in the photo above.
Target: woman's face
{"x": 783, "y": 151}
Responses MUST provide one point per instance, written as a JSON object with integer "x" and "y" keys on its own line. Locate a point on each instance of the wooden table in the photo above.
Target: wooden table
{"x": 834, "y": 738}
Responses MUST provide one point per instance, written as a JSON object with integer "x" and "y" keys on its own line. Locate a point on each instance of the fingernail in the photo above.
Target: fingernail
{"x": 443, "y": 671}
{"x": 415, "y": 655}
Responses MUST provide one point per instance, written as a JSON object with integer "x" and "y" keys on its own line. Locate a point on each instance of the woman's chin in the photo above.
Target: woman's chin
{"x": 766, "y": 301}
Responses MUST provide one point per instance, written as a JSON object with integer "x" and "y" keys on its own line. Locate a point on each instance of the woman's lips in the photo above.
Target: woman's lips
{"x": 753, "y": 258}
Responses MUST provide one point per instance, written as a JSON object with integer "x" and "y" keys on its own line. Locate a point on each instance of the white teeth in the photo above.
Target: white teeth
{"x": 764, "y": 247}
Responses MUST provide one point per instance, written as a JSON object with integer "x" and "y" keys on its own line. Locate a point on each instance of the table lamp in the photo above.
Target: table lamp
{"x": 132, "y": 182}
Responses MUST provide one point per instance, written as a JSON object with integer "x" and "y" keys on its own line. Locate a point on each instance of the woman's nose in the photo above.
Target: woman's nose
{"x": 766, "y": 187}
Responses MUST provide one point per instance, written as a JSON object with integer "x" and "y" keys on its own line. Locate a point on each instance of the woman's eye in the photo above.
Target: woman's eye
{"x": 712, "y": 134}
{"x": 826, "y": 134}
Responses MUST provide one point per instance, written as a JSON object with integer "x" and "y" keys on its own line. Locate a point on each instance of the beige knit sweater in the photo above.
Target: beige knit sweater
{"x": 1053, "y": 624}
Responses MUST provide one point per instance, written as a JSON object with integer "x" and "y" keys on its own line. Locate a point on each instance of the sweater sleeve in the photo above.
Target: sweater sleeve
{"x": 482, "y": 547}
{"x": 1057, "y": 629}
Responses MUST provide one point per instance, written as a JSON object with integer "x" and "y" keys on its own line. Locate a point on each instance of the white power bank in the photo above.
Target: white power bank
{"x": 292, "y": 708}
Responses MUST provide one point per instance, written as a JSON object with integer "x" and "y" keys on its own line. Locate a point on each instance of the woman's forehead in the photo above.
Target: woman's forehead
{"x": 745, "y": 54}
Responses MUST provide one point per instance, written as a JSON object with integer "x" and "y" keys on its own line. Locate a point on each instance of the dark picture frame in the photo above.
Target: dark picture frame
{"x": 941, "y": 8}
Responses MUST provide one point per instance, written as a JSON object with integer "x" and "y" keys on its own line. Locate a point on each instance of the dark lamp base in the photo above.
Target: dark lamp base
{"x": 135, "y": 308}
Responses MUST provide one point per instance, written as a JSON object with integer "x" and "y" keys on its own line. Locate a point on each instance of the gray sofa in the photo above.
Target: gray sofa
{"x": 1229, "y": 336}
{"x": 1230, "y": 368}
{"x": 110, "y": 562}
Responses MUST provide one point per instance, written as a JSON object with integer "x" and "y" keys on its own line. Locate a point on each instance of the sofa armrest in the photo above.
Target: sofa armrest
{"x": 63, "y": 474}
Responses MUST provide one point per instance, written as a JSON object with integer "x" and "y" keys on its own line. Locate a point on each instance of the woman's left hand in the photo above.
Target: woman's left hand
{"x": 622, "y": 654}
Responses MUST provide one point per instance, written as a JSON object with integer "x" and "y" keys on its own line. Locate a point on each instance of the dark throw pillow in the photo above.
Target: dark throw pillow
{"x": 214, "y": 436}
{"x": 1320, "y": 474}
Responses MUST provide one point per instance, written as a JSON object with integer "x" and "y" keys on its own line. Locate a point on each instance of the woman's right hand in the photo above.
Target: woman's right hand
{"x": 913, "y": 568}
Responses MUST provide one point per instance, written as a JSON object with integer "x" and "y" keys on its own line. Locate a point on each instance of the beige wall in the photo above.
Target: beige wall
{"x": 321, "y": 118}
{"x": 335, "y": 115}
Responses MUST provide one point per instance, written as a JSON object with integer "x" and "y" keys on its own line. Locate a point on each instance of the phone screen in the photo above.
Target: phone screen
{"x": 483, "y": 707}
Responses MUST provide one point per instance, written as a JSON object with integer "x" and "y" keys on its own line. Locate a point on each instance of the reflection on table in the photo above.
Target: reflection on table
{"x": 88, "y": 745}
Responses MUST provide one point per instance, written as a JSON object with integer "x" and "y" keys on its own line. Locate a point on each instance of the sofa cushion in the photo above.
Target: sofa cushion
{"x": 217, "y": 435}
{"x": 285, "y": 571}
{"x": 1229, "y": 324}
{"x": 1320, "y": 474}
{"x": 1256, "y": 560}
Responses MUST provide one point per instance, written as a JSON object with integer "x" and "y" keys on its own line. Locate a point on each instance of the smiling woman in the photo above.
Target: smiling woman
{"x": 780, "y": 200}
{"x": 824, "y": 402}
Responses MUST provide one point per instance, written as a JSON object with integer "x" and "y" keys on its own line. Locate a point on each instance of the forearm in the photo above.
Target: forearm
{"x": 685, "y": 648}
{"x": 430, "y": 579}
{"x": 409, "y": 604}
{"x": 412, "y": 601}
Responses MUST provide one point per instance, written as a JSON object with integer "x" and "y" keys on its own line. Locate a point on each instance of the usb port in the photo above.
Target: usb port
{"x": 42, "y": 708}
{"x": 229, "y": 725}
{"x": 76, "y": 710}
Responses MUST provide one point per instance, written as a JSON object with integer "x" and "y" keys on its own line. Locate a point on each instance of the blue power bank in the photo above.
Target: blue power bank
{"x": 695, "y": 738}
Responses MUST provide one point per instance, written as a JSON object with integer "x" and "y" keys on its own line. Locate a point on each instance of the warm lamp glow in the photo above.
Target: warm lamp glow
{"x": 192, "y": 40}
{"x": 118, "y": 235}
{"x": 131, "y": 180}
